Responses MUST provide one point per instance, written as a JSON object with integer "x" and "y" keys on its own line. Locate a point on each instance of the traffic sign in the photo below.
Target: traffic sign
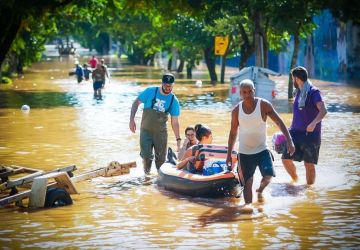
{"x": 221, "y": 44}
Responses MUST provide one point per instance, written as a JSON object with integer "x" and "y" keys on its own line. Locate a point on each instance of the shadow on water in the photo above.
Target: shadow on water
{"x": 287, "y": 189}
{"x": 228, "y": 214}
{"x": 225, "y": 209}
{"x": 135, "y": 182}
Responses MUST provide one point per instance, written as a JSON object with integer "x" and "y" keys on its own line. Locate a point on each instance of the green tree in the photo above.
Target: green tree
{"x": 299, "y": 23}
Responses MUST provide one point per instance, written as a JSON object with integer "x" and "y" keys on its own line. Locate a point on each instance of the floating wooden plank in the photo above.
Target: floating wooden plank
{"x": 113, "y": 169}
{"x": 19, "y": 196}
{"x": 11, "y": 171}
{"x": 105, "y": 171}
{"x": 29, "y": 178}
{"x": 62, "y": 181}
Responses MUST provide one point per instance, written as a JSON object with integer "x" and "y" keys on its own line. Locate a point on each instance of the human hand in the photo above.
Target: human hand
{"x": 311, "y": 127}
{"x": 132, "y": 125}
{"x": 290, "y": 147}
{"x": 229, "y": 163}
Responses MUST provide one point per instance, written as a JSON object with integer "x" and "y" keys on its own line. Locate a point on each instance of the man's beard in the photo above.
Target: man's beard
{"x": 165, "y": 92}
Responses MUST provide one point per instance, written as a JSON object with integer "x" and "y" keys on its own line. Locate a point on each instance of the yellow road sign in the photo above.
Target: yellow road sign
{"x": 221, "y": 44}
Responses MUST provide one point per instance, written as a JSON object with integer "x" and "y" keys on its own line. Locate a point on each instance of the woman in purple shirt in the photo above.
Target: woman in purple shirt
{"x": 305, "y": 130}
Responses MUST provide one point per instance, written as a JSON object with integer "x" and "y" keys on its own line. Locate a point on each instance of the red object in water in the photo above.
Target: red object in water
{"x": 273, "y": 93}
{"x": 233, "y": 90}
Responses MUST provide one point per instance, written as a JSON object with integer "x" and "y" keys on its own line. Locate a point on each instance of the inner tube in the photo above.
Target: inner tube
{"x": 222, "y": 184}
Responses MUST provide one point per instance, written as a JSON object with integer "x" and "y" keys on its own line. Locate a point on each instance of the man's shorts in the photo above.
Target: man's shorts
{"x": 307, "y": 152}
{"x": 97, "y": 85}
{"x": 249, "y": 163}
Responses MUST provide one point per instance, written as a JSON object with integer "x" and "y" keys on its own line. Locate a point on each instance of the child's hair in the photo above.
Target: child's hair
{"x": 201, "y": 131}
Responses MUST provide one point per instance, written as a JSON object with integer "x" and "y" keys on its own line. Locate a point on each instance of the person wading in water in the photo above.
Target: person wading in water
{"x": 159, "y": 102}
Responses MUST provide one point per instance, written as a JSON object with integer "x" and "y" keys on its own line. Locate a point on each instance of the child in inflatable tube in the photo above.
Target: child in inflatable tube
{"x": 204, "y": 154}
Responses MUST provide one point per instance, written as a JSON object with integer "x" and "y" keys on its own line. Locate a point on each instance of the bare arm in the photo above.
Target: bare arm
{"x": 270, "y": 111}
{"x": 187, "y": 153}
{"x": 134, "y": 108}
{"x": 322, "y": 112}
{"x": 183, "y": 149}
{"x": 232, "y": 134}
{"x": 185, "y": 161}
{"x": 175, "y": 127}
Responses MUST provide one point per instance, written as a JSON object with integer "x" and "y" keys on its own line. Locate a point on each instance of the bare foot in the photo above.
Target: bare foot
{"x": 294, "y": 181}
{"x": 247, "y": 209}
{"x": 260, "y": 197}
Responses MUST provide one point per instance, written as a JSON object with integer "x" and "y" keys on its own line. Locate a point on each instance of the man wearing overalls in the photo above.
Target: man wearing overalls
{"x": 159, "y": 102}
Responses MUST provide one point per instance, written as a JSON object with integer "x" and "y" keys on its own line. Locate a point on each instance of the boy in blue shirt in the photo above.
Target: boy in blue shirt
{"x": 79, "y": 72}
{"x": 159, "y": 102}
{"x": 87, "y": 72}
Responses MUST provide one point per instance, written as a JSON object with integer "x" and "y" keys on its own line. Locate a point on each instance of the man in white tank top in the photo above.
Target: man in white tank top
{"x": 248, "y": 120}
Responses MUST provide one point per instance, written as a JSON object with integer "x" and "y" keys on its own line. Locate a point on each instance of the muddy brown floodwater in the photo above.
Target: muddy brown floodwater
{"x": 67, "y": 126}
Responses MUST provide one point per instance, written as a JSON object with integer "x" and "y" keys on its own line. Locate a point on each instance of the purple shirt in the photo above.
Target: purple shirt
{"x": 302, "y": 118}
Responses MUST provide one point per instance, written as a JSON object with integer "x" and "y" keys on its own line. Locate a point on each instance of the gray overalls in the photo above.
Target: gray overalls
{"x": 153, "y": 134}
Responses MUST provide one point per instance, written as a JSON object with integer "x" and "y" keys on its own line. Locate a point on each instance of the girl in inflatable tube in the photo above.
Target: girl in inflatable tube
{"x": 196, "y": 156}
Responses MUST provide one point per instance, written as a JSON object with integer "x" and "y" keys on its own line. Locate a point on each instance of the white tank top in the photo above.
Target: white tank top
{"x": 252, "y": 130}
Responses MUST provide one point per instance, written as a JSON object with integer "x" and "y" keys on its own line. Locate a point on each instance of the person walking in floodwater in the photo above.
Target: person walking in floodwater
{"x": 159, "y": 102}
{"x": 105, "y": 68}
{"x": 248, "y": 120}
{"x": 87, "y": 71}
{"x": 79, "y": 72}
{"x": 98, "y": 76}
{"x": 308, "y": 111}
{"x": 93, "y": 62}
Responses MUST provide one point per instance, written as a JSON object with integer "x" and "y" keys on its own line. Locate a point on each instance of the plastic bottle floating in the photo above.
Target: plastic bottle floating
{"x": 25, "y": 108}
{"x": 198, "y": 83}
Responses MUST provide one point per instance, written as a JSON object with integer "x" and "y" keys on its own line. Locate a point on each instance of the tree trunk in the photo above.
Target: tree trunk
{"x": 10, "y": 22}
{"x": 210, "y": 63}
{"x": 223, "y": 65}
{"x": 181, "y": 66}
{"x": 189, "y": 65}
{"x": 169, "y": 63}
{"x": 223, "y": 61}
{"x": 189, "y": 72}
{"x": 246, "y": 52}
{"x": 12, "y": 14}
{"x": 293, "y": 63}
{"x": 265, "y": 50}
{"x": 258, "y": 41}
{"x": 247, "y": 48}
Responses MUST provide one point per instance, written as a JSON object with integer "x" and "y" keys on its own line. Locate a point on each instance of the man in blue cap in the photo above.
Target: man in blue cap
{"x": 159, "y": 102}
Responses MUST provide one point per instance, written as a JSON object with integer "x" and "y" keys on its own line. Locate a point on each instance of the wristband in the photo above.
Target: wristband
{"x": 178, "y": 139}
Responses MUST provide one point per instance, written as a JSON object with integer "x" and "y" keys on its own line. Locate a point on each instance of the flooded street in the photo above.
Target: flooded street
{"x": 67, "y": 126}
